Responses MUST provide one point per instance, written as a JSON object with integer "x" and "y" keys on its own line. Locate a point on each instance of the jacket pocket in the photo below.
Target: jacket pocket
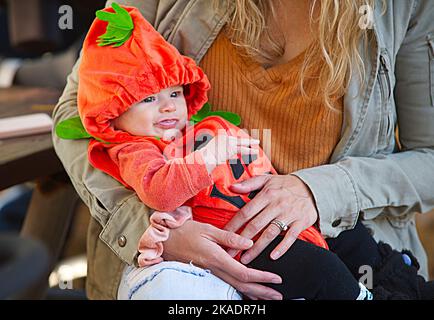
{"x": 430, "y": 41}
{"x": 385, "y": 84}
{"x": 400, "y": 222}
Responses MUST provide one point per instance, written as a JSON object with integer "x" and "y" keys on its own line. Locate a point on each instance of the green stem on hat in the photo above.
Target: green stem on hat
{"x": 119, "y": 29}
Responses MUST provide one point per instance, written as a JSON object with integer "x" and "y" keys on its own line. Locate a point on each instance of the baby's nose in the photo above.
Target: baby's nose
{"x": 168, "y": 107}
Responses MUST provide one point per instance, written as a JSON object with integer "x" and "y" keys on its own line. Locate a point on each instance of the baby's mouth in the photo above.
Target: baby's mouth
{"x": 167, "y": 123}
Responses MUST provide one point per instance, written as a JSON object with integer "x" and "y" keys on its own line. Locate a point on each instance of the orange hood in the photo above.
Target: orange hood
{"x": 112, "y": 79}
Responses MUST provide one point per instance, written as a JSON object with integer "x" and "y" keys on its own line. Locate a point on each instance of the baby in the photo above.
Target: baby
{"x": 134, "y": 99}
{"x": 136, "y": 96}
{"x": 219, "y": 154}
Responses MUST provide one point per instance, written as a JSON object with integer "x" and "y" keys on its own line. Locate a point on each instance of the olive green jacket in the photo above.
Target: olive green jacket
{"x": 368, "y": 176}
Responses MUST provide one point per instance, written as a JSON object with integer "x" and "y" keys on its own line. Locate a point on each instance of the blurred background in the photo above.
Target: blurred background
{"x": 40, "y": 41}
{"x": 40, "y": 257}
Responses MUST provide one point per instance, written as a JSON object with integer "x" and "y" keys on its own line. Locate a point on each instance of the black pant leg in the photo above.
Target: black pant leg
{"x": 356, "y": 248}
{"x": 309, "y": 272}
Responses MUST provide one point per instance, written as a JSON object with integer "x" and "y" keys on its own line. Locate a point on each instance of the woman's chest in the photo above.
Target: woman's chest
{"x": 297, "y": 130}
{"x": 292, "y": 28}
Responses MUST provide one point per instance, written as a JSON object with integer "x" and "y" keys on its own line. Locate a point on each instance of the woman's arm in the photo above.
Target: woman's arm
{"x": 116, "y": 208}
{"x": 394, "y": 184}
{"x": 398, "y": 183}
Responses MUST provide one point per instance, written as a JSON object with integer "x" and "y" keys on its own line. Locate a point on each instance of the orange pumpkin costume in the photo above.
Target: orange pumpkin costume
{"x": 111, "y": 79}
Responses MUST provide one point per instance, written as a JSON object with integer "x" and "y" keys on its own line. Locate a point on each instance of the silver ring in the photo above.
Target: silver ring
{"x": 279, "y": 224}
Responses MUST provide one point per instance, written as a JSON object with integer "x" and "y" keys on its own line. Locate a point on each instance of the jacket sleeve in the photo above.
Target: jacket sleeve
{"x": 163, "y": 185}
{"x": 119, "y": 211}
{"x": 400, "y": 183}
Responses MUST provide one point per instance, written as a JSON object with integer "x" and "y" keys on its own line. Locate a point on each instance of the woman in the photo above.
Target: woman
{"x": 334, "y": 148}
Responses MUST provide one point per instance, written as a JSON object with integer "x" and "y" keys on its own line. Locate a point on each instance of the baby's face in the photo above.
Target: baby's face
{"x": 162, "y": 112}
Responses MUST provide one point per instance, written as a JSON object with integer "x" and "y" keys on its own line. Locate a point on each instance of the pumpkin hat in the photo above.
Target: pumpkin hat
{"x": 124, "y": 60}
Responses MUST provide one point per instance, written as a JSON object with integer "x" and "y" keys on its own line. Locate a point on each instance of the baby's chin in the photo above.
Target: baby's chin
{"x": 171, "y": 134}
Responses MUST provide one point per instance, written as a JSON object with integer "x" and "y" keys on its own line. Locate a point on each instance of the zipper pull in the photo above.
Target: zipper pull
{"x": 383, "y": 63}
{"x": 384, "y": 70}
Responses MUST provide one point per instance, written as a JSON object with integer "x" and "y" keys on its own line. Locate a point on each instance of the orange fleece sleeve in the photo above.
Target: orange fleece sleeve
{"x": 161, "y": 184}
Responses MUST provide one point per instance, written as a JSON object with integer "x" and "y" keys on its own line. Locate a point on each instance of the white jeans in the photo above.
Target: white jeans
{"x": 171, "y": 280}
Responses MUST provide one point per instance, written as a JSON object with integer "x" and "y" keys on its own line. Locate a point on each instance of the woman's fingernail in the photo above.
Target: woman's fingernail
{"x": 233, "y": 252}
{"x": 277, "y": 297}
{"x": 276, "y": 280}
{"x": 275, "y": 255}
{"x": 245, "y": 259}
{"x": 249, "y": 243}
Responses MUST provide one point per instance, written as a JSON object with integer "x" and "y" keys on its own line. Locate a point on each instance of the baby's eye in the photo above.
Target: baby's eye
{"x": 149, "y": 99}
{"x": 176, "y": 94}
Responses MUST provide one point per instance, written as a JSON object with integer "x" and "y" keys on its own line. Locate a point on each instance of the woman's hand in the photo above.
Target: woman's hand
{"x": 283, "y": 197}
{"x": 201, "y": 243}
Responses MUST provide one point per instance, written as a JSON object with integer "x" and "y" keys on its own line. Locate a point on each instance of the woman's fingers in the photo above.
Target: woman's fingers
{"x": 246, "y": 213}
{"x": 291, "y": 235}
{"x": 251, "y": 184}
{"x": 244, "y": 279}
{"x": 253, "y": 228}
{"x": 232, "y": 252}
{"x": 254, "y": 291}
{"x": 269, "y": 234}
{"x": 221, "y": 260}
{"x": 260, "y": 221}
{"x": 250, "y": 209}
{"x": 247, "y": 280}
{"x": 227, "y": 238}
{"x": 242, "y": 273}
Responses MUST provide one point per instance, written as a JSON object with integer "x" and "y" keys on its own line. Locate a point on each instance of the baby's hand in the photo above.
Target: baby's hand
{"x": 223, "y": 147}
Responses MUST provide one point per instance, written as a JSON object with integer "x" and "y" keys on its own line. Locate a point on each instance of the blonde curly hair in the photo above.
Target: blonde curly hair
{"x": 338, "y": 39}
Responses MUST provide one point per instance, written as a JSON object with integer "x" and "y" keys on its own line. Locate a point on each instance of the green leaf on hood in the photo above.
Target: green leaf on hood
{"x": 229, "y": 116}
{"x": 206, "y": 112}
{"x": 71, "y": 129}
{"x": 119, "y": 29}
{"x": 202, "y": 113}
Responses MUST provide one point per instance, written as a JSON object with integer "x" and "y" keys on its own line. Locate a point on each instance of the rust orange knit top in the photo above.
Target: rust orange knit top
{"x": 301, "y": 132}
